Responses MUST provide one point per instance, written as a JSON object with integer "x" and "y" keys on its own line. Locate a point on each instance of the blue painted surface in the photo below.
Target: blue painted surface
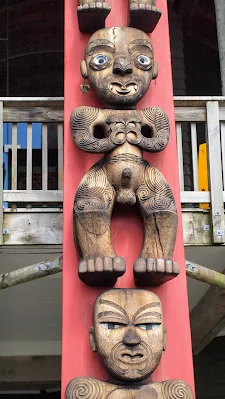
{"x": 22, "y": 142}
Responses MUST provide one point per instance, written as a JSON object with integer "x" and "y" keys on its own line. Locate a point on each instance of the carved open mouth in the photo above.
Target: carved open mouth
{"x": 132, "y": 357}
{"x": 123, "y": 89}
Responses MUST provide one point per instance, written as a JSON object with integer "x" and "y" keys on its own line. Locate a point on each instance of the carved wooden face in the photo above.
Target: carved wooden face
{"x": 128, "y": 332}
{"x": 120, "y": 65}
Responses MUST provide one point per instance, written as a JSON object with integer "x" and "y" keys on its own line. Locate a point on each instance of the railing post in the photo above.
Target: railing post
{"x": 215, "y": 171}
{"x": 1, "y": 173}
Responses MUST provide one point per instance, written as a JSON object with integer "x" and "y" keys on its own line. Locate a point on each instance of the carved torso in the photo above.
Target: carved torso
{"x": 89, "y": 388}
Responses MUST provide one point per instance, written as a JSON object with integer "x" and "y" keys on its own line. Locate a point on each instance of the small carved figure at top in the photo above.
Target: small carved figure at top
{"x": 120, "y": 66}
{"x": 129, "y": 337}
{"x": 143, "y": 14}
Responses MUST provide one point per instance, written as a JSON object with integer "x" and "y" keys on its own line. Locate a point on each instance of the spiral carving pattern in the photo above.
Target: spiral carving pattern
{"x": 94, "y": 192}
{"x": 175, "y": 389}
{"x": 82, "y": 126}
{"x": 158, "y": 119}
{"x": 155, "y": 194}
{"x": 84, "y": 389}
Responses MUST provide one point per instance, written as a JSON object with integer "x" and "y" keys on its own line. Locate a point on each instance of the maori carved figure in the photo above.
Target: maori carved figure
{"x": 120, "y": 67}
{"x": 143, "y": 14}
{"x": 129, "y": 336}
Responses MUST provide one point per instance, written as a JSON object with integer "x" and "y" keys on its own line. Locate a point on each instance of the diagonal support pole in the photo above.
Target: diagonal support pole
{"x": 30, "y": 273}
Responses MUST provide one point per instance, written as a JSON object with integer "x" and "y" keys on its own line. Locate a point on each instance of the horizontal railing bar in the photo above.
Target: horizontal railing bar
{"x": 35, "y": 210}
{"x": 195, "y": 197}
{"x": 32, "y": 196}
{"x": 30, "y": 99}
{"x": 196, "y": 100}
{"x": 33, "y": 114}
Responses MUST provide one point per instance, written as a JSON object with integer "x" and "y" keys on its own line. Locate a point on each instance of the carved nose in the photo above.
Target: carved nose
{"x": 131, "y": 338}
{"x": 122, "y": 66}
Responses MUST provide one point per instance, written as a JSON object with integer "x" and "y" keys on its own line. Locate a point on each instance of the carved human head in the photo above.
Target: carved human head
{"x": 128, "y": 332}
{"x": 119, "y": 65}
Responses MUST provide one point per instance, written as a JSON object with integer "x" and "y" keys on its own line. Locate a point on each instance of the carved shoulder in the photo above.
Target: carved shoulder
{"x": 87, "y": 388}
{"x": 158, "y": 123}
{"x": 176, "y": 389}
{"x": 83, "y": 121}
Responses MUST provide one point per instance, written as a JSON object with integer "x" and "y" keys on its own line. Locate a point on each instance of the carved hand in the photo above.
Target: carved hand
{"x": 83, "y": 121}
{"x": 157, "y": 130}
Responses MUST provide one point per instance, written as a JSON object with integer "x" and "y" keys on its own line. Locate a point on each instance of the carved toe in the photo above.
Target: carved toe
{"x": 101, "y": 271}
{"x": 144, "y": 17}
{"x": 91, "y": 17}
{"x": 150, "y": 271}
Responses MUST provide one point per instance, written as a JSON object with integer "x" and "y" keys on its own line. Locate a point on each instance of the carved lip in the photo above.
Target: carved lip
{"x": 123, "y": 89}
{"x": 132, "y": 357}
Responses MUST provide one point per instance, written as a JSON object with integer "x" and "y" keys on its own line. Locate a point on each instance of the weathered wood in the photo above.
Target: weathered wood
{"x": 14, "y": 157}
{"x": 194, "y": 155}
{"x": 30, "y": 273}
{"x": 33, "y": 114}
{"x": 196, "y": 228}
{"x": 205, "y": 274}
{"x": 123, "y": 176}
{"x": 32, "y": 196}
{"x": 207, "y": 318}
{"x": 1, "y": 172}
{"x": 190, "y": 114}
{"x": 132, "y": 352}
{"x": 60, "y": 156}
{"x": 180, "y": 155}
{"x": 32, "y": 228}
{"x": 30, "y": 369}
{"x": 29, "y": 158}
{"x": 215, "y": 172}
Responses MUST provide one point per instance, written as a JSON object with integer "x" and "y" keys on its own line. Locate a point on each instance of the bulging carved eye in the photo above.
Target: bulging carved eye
{"x": 148, "y": 326}
{"x": 144, "y": 60}
{"x": 100, "y": 60}
{"x": 111, "y": 326}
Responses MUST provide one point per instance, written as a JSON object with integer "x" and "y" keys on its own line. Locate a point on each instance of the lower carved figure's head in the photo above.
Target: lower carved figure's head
{"x": 119, "y": 65}
{"x": 128, "y": 333}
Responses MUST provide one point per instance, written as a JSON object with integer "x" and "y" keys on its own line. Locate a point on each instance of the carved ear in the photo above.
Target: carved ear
{"x": 83, "y": 69}
{"x": 92, "y": 339}
{"x": 164, "y": 338}
{"x": 155, "y": 70}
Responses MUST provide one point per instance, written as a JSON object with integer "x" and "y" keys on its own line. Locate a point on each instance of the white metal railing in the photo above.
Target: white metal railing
{"x": 191, "y": 113}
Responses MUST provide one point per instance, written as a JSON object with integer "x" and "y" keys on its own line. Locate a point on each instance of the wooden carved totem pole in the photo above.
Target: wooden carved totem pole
{"x": 118, "y": 66}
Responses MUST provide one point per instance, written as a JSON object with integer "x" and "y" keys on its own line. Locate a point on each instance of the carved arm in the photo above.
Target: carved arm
{"x": 156, "y": 121}
{"x": 83, "y": 122}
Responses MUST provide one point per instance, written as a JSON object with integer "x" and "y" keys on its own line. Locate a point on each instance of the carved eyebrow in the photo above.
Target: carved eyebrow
{"x": 114, "y": 305}
{"x": 112, "y": 316}
{"x": 148, "y": 306}
{"x": 100, "y": 43}
{"x": 140, "y": 43}
{"x": 148, "y": 314}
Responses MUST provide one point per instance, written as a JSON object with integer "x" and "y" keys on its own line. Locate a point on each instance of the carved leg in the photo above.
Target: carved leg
{"x": 93, "y": 207}
{"x": 155, "y": 267}
{"x": 92, "y": 14}
{"x": 144, "y": 15}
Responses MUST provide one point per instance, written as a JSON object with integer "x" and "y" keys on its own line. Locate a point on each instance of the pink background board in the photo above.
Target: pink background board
{"x": 77, "y": 358}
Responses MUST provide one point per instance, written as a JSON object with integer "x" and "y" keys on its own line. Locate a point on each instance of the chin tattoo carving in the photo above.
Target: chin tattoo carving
{"x": 143, "y": 14}
{"x": 120, "y": 66}
{"x": 129, "y": 336}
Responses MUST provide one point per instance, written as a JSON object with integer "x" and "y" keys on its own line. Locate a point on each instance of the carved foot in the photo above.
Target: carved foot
{"x": 150, "y": 271}
{"x": 91, "y": 16}
{"x": 144, "y": 17}
{"x": 101, "y": 271}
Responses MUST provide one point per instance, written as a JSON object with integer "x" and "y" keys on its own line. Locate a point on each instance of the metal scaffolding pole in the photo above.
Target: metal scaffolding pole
{"x": 220, "y": 21}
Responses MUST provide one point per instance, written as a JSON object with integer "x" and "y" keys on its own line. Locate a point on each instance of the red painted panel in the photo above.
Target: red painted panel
{"x": 77, "y": 358}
